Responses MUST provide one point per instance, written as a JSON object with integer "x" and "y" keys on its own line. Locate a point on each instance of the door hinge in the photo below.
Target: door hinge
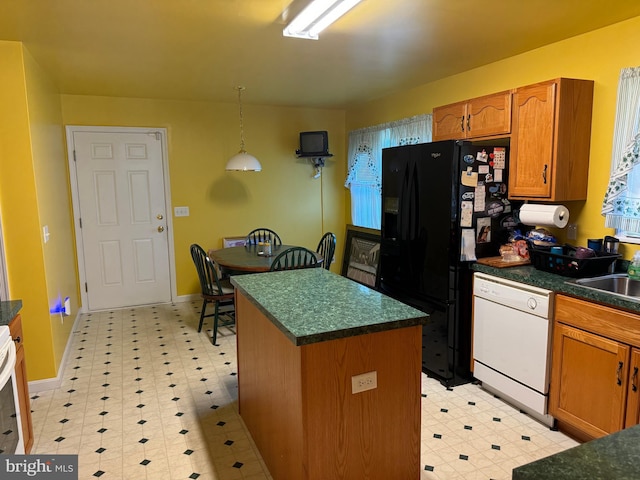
{"x": 74, "y": 155}
{"x": 80, "y": 222}
{"x": 86, "y": 287}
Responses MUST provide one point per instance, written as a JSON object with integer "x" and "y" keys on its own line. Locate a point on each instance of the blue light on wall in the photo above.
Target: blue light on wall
{"x": 60, "y": 307}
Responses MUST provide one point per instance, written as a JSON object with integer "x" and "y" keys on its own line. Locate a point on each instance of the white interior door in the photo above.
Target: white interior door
{"x": 123, "y": 217}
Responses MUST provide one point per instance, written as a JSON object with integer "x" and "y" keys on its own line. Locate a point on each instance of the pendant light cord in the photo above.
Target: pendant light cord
{"x": 240, "y": 89}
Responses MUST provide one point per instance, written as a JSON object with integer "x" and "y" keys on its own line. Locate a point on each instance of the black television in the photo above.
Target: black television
{"x": 314, "y": 144}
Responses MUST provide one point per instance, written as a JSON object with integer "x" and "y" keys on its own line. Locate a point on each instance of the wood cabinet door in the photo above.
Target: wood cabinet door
{"x": 588, "y": 381}
{"x": 633, "y": 394}
{"x": 15, "y": 328}
{"x": 489, "y": 115}
{"x": 449, "y": 122}
{"x": 532, "y": 141}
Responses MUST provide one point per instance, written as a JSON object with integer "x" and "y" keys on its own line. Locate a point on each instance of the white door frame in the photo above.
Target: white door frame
{"x": 70, "y": 130}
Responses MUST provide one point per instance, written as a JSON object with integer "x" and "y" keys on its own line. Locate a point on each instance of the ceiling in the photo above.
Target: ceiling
{"x": 203, "y": 49}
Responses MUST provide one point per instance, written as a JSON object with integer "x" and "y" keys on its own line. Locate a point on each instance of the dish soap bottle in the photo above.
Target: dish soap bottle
{"x": 634, "y": 266}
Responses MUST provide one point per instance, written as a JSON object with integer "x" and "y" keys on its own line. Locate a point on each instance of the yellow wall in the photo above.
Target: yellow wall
{"x": 598, "y": 56}
{"x": 202, "y": 136}
{"x": 52, "y": 192}
{"x": 20, "y": 215}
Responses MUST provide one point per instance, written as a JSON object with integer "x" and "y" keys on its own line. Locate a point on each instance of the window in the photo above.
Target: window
{"x": 365, "y": 163}
{"x": 621, "y": 205}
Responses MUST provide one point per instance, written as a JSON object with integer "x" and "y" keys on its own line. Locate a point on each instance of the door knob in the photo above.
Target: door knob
{"x": 160, "y": 229}
{"x": 159, "y": 216}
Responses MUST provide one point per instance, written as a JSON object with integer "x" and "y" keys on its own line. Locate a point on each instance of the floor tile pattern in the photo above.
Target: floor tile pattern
{"x": 145, "y": 396}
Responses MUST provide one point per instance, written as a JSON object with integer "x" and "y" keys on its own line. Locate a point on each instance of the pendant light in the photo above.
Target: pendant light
{"x": 242, "y": 160}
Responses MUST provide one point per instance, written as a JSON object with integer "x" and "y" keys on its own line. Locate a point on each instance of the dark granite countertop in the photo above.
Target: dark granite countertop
{"x": 559, "y": 284}
{"x": 8, "y": 310}
{"x": 612, "y": 457}
{"x": 314, "y": 305}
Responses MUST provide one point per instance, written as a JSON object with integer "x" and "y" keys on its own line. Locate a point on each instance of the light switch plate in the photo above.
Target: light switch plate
{"x": 181, "y": 211}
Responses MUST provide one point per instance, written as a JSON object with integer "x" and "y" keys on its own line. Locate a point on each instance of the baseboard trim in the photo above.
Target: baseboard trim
{"x": 43, "y": 385}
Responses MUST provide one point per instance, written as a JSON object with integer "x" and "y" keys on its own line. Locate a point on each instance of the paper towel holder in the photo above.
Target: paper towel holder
{"x": 556, "y": 216}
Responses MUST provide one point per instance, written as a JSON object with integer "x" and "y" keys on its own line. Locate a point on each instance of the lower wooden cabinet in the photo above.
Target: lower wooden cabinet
{"x": 594, "y": 377}
{"x": 15, "y": 327}
{"x": 633, "y": 395}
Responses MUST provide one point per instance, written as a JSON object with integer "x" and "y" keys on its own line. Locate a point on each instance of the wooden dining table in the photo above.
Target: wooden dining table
{"x": 237, "y": 260}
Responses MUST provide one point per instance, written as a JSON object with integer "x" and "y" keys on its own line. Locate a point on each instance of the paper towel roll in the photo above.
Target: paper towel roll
{"x": 544, "y": 215}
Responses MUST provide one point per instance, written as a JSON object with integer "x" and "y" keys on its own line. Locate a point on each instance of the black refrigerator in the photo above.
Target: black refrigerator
{"x": 444, "y": 204}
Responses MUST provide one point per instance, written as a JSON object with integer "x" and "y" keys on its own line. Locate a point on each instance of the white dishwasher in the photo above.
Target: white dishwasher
{"x": 512, "y": 342}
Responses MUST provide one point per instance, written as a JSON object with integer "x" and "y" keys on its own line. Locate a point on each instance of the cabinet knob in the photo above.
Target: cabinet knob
{"x": 17, "y": 339}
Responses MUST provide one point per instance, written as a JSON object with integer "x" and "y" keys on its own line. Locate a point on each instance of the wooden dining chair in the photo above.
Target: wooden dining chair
{"x": 294, "y": 257}
{"x": 327, "y": 249}
{"x": 261, "y": 235}
{"x": 214, "y": 290}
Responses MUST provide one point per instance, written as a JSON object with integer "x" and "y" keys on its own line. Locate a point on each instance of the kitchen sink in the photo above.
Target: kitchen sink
{"x": 617, "y": 284}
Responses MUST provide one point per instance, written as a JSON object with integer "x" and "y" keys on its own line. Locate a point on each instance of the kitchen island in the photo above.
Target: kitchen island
{"x": 303, "y": 335}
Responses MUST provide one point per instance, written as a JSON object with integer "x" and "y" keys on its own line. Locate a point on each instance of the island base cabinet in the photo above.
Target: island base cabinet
{"x": 298, "y": 405}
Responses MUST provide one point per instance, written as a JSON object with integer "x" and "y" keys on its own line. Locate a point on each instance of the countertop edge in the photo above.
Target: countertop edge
{"x": 8, "y": 310}
{"x": 529, "y": 275}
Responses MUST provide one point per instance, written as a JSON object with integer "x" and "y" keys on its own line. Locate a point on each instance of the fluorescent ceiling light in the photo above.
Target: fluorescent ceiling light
{"x": 317, "y": 16}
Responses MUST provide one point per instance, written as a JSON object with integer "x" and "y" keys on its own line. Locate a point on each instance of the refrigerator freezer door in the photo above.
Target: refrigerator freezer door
{"x": 420, "y": 237}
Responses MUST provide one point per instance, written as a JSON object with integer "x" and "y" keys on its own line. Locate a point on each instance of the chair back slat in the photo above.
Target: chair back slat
{"x": 209, "y": 281}
{"x": 327, "y": 248}
{"x": 261, "y": 235}
{"x": 294, "y": 257}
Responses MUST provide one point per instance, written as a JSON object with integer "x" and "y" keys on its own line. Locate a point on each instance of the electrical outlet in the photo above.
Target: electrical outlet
{"x": 572, "y": 231}
{"x": 364, "y": 382}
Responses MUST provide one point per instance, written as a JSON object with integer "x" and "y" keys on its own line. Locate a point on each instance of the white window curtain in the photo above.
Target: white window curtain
{"x": 621, "y": 205}
{"x": 365, "y": 163}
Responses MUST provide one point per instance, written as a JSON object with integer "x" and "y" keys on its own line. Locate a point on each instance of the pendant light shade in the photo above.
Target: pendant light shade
{"x": 243, "y": 161}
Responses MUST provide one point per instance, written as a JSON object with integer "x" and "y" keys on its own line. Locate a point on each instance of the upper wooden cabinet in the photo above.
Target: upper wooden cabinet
{"x": 550, "y": 140}
{"x": 479, "y": 117}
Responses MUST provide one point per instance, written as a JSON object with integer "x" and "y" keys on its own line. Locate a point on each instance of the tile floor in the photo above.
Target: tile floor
{"x": 144, "y": 396}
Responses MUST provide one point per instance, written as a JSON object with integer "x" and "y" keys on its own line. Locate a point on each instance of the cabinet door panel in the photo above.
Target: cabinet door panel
{"x": 633, "y": 395}
{"x": 449, "y": 122}
{"x": 15, "y": 328}
{"x": 489, "y": 115}
{"x": 588, "y": 381}
{"x": 532, "y": 142}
